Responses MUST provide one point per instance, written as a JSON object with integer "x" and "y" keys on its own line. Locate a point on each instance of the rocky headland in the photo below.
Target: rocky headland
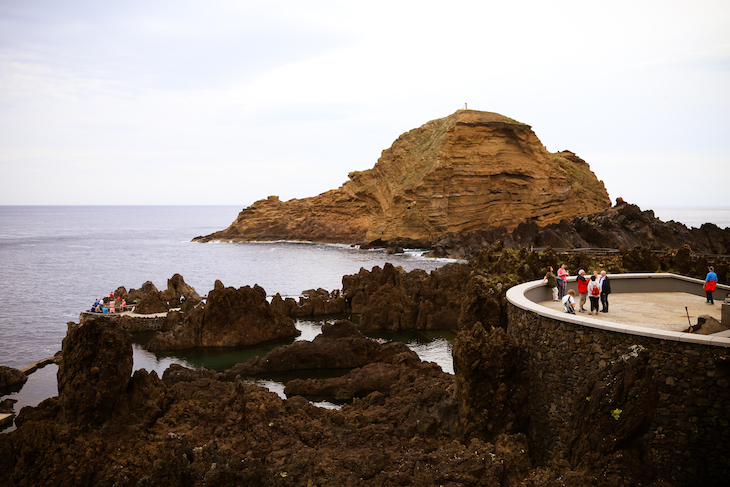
{"x": 469, "y": 171}
{"x": 474, "y": 185}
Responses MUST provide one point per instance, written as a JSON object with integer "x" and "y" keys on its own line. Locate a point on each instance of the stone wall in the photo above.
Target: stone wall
{"x": 690, "y": 432}
{"x": 134, "y": 323}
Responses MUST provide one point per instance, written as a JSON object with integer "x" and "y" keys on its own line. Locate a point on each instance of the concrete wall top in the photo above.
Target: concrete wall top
{"x": 527, "y": 296}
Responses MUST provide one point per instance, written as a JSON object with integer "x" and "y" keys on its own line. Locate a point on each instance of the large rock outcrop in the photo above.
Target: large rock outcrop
{"x": 229, "y": 318}
{"x": 469, "y": 171}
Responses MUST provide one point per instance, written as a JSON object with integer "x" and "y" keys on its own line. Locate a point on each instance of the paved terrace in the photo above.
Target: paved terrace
{"x": 640, "y": 304}
{"x": 661, "y": 311}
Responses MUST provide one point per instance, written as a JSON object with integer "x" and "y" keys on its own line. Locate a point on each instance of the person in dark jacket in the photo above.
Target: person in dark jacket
{"x": 605, "y": 284}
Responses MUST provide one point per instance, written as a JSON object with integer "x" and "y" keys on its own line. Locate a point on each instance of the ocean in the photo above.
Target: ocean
{"x": 55, "y": 260}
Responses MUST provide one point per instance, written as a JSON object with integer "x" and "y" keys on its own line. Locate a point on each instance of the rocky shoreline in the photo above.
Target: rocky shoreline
{"x": 403, "y": 421}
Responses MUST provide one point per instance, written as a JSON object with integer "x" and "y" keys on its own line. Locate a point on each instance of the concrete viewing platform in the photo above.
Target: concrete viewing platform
{"x": 648, "y": 304}
{"x": 661, "y": 310}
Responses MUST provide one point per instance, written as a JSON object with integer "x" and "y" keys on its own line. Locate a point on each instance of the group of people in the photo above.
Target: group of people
{"x": 100, "y": 306}
{"x": 594, "y": 288}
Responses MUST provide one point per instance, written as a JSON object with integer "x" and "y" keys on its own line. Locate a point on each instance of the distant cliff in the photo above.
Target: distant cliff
{"x": 469, "y": 171}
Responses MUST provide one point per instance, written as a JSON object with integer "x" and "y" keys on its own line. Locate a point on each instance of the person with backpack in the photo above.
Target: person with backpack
{"x": 594, "y": 292}
{"x": 569, "y": 302}
{"x": 710, "y": 284}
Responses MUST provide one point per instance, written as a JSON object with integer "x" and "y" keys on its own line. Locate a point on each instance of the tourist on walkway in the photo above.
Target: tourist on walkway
{"x": 594, "y": 292}
{"x": 551, "y": 282}
{"x": 605, "y": 284}
{"x": 710, "y": 284}
{"x": 582, "y": 289}
{"x": 569, "y": 302}
{"x": 562, "y": 277}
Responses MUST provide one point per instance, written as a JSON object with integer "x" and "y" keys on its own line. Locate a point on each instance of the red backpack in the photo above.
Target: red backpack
{"x": 595, "y": 291}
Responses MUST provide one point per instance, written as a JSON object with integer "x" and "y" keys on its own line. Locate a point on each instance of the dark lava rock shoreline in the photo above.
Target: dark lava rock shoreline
{"x": 405, "y": 422}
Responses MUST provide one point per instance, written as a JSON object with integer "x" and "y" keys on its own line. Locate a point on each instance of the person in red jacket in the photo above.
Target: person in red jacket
{"x": 582, "y": 289}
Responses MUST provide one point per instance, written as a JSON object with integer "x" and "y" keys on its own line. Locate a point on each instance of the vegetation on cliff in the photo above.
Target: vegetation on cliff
{"x": 466, "y": 172}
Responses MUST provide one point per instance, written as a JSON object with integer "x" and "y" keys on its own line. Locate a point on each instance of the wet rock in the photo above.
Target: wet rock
{"x": 339, "y": 346}
{"x": 11, "y": 380}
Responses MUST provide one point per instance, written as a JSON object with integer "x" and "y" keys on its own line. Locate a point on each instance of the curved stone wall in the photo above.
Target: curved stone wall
{"x": 690, "y": 431}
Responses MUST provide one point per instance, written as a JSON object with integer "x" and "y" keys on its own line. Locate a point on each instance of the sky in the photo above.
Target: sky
{"x": 227, "y": 102}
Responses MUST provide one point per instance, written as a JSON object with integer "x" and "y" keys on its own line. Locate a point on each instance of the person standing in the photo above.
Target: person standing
{"x": 582, "y": 289}
{"x": 605, "y": 285}
{"x": 594, "y": 292}
{"x": 563, "y": 276}
{"x": 551, "y": 282}
{"x": 710, "y": 284}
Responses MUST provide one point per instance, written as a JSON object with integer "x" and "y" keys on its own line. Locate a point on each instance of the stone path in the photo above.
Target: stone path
{"x": 664, "y": 311}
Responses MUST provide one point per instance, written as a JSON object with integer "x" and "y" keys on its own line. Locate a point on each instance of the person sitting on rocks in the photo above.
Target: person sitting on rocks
{"x": 569, "y": 302}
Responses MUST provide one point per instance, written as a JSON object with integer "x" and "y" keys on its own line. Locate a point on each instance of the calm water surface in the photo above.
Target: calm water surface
{"x": 54, "y": 261}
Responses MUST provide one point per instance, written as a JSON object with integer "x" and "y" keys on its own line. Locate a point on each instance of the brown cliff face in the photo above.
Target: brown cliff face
{"x": 469, "y": 171}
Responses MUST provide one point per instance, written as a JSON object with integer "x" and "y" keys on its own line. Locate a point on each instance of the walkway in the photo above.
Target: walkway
{"x": 662, "y": 311}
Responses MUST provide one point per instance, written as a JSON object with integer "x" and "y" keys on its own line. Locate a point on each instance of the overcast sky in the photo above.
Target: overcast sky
{"x": 227, "y": 102}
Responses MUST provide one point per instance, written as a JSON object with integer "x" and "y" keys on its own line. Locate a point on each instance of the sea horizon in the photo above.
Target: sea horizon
{"x": 692, "y": 216}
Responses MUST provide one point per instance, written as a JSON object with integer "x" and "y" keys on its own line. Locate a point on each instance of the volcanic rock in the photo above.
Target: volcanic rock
{"x": 313, "y": 302}
{"x": 11, "y": 379}
{"x": 491, "y": 398}
{"x": 229, "y": 318}
{"x": 150, "y": 300}
{"x": 469, "y": 171}
{"x": 622, "y": 226}
{"x": 94, "y": 371}
{"x": 339, "y": 346}
{"x": 393, "y": 299}
{"x": 600, "y": 442}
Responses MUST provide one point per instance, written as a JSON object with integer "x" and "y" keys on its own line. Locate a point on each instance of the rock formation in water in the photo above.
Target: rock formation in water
{"x": 339, "y": 346}
{"x": 11, "y": 379}
{"x": 469, "y": 171}
{"x": 229, "y": 318}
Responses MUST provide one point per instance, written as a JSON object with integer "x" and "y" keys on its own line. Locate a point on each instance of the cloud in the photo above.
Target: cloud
{"x": 227, "y": 102}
